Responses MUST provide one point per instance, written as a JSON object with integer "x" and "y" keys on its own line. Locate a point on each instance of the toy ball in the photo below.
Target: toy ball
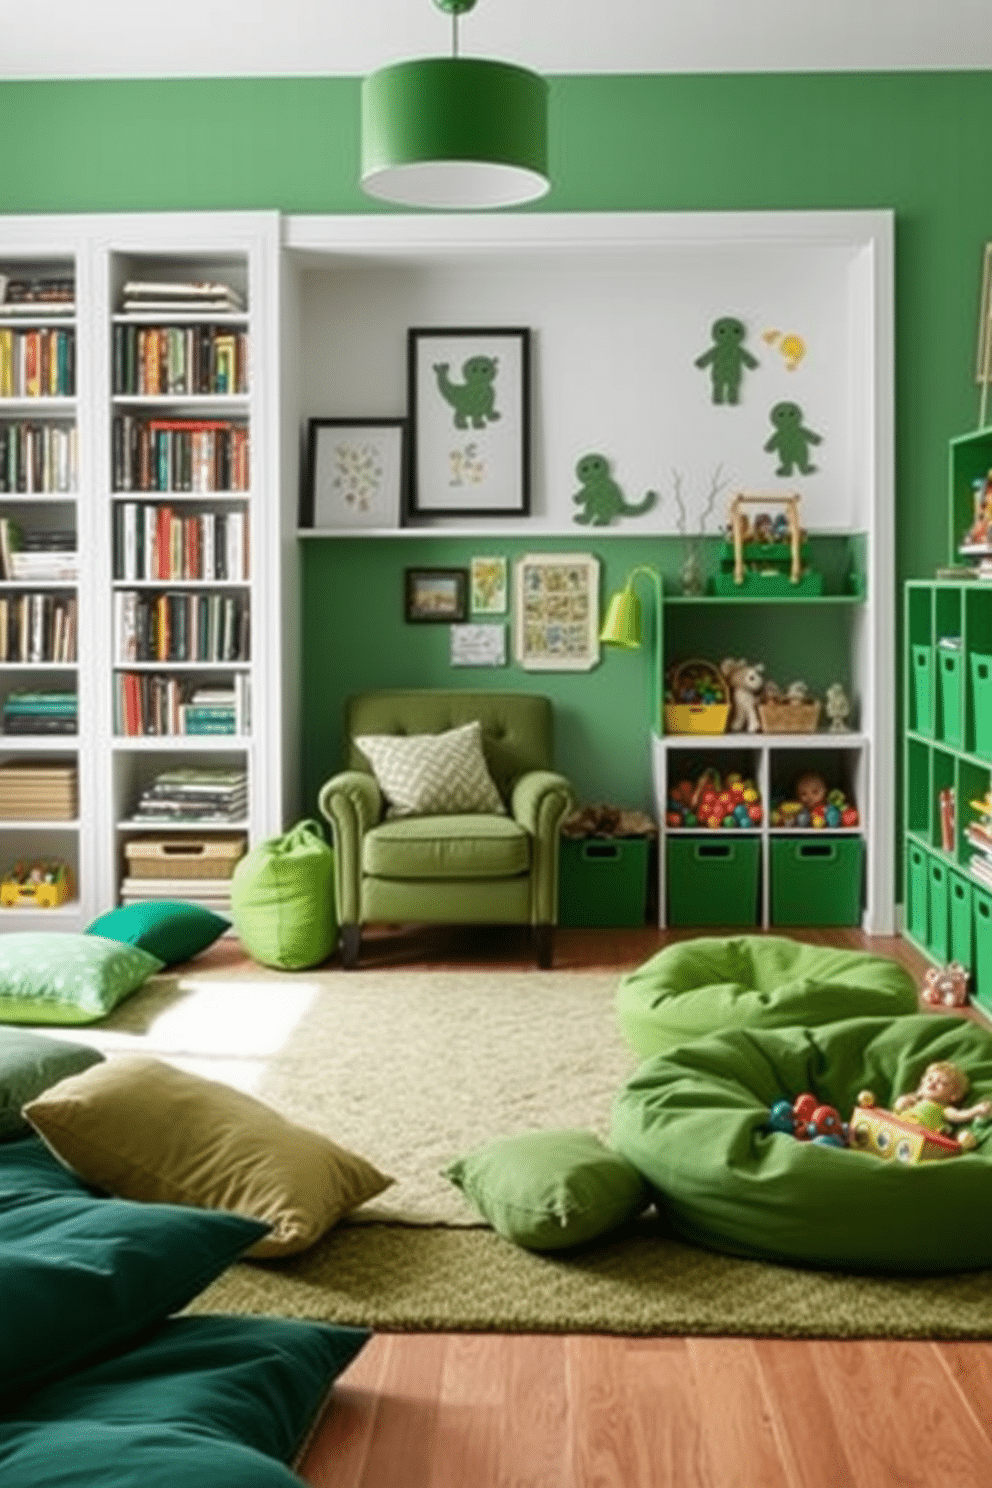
{"x": 780, "y": 1117}
{"x": 825, "y": 1122}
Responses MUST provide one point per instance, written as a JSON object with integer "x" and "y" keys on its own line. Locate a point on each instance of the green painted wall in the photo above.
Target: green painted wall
{"x": 917, "y": 143}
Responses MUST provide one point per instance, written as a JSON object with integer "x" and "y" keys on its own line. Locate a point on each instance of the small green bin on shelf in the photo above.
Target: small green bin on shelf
{"x": 923, "y": 690}
{"x": 603, "y": 882}
{"x": 917, "y": 893}
{"x": 816, "y": 880}
{"x": 982, "y": 981}
{"x": 939, "y": 938}
{"x": 981, "y": 702}
{"x": 962, "y": 911}
{"x": 951, "y": 696}
{"x": 712, "y": 880}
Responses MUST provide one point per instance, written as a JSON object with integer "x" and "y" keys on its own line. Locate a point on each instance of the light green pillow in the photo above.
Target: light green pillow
{"x": 550, "y": 1190}
{"x": 48, "y": 977}
{"x": 433, "y": 774}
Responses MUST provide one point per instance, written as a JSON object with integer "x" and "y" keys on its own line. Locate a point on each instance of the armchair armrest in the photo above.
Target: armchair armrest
{"x": 352, "y": 803}
{"x": 540, "y": 801}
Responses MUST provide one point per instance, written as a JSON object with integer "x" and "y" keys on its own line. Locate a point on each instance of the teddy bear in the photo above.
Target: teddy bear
{"x": 745, "y": 680}
{"x": 945, "y": 986}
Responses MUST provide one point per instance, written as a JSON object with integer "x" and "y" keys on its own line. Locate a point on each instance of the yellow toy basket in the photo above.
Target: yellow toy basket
{"x": 701, "y": 715}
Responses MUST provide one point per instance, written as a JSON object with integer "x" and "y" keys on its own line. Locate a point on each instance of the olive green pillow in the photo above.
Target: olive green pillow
{"x": 550, "y": 1190}
{"x": 141, "y": 1129}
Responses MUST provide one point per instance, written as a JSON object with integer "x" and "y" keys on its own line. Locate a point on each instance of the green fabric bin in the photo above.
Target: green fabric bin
{"x": 962, "y": 914}
{"x": 712, "y": 880}
{"x": 923, "y": 690}
{"x": 917, "y": 894}
{"x": 816, "y": 880}
{"x": 603, "y": 882}
{"x": 939, "y": 937}
{"x": 950, "y": 671}
{"x": 981, "y": 702}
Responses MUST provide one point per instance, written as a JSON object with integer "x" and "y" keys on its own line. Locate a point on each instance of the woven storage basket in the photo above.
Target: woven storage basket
{"x": 789, "y": 718}
{"x": 697, "y": 718}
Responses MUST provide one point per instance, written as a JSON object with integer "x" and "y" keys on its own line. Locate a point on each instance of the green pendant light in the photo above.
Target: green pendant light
{"x": 455, "y": 133}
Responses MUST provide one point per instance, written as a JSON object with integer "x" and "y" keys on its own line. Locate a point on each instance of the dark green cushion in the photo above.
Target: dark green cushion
{"x": 693, "y": 1123}
{"x": 83, "y": 1275}
{"x": 91, "y": 1454}
{"x": 170, "y": 929}
{"x": 456, "y": 847}
{"x": 260, "y": 1383}
{"x": 29, "y": 1064}
{"x": 550, "y": 1190}
{"x": 710, "y": 984}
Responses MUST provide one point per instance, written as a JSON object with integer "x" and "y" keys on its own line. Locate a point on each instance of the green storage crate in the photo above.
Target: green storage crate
{"x": 939, "y": 938}
{"x": 962, "y": 911}
{"x": 923, "y": 690}
{"x": 981, "y": 702}
{"x": 713, "y": 880}
{"x": 603, "y": 883}
{"x": 951, "y": 697}
{"x": 816, "y": 880}
{"x": 917, "y": 894}
{"x": 982, "y": 981}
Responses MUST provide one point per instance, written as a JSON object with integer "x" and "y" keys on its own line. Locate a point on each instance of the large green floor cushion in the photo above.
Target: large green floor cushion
{"x": 711, "y": 984}
{"x": 694, "y": 1123}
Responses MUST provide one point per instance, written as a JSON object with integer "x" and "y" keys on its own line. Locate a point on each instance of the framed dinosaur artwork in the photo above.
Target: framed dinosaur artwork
{"x": 355, "y": 474}
{"x": 469, "y": 408}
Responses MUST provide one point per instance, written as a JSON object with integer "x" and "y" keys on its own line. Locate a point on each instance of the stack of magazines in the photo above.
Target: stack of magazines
{"x": 26, "y": 712}
{"x": 195, "y": 794}
{"x": 165, "y": 297}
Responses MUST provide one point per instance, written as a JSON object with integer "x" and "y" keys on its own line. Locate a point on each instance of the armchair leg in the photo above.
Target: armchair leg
{"x": 544, "y": 946}
{"x": 351, "y": 938}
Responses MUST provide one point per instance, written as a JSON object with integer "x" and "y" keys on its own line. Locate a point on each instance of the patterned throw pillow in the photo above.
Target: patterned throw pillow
{"x": 433, "y": 774}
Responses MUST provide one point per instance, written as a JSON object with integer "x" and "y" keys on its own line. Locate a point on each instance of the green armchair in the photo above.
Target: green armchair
{"x": 478, "y": 869}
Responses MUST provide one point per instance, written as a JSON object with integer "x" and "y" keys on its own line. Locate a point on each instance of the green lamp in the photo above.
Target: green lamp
{"x": 454, "y": 132}
{"x": 622, "y": 627}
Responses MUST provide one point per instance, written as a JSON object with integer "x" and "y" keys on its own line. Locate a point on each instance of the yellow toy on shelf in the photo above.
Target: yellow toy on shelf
{"x": 41, "y": 885}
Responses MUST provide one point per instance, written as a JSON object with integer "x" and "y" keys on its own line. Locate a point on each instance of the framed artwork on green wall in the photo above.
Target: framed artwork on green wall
{"x": 556, "y": 612}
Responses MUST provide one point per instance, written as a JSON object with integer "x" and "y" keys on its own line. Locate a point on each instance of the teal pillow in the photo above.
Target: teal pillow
{"x": 47, "y": 977}
{"x": 550, "y": 1190}
{"x": 27, "y": 1166}
{"x": 261, "y": 1382}
{"x": 83, "y": 1276}
{"x": 98, "y": 1454}
{"x": 29, "y": 1064}
{"x": 167, "y": 928}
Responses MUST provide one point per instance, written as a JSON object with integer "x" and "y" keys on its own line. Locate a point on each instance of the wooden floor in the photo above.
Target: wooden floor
{"x": 537, "y": 1411}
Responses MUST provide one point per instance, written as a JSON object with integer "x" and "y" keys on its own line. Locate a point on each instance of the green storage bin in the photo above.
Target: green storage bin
{"x": 923, "y": 690}
{"x": 982, "y": 981}
{"x": 962, "y": 912}
{"x": 713, "y": 880}
{"x": 981, "y": 702}
{"x": 603, "y": 883}
{"x": 950, "y": 671}
{"x": 917, "y": 894}
{"x": 816, "y": 880}
{"x": 939, "y": 938}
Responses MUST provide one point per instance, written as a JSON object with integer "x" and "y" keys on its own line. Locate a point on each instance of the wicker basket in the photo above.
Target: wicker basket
{"x": 697, "y": 718}
{"x": 789, "y": 718}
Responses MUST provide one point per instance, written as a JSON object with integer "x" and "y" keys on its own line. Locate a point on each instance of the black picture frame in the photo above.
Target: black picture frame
{"x": 435, "y": 596}
{"x": 469, "y": 436}
{"x": 355, "y": 474}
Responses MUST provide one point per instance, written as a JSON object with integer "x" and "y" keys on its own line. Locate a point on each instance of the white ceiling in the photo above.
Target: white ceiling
{"x": 255, "y": 38}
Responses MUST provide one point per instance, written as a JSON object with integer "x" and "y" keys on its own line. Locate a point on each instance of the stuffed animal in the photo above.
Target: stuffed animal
{"x": 932, "y": 1103}
{"x": 745, "y": 680}
{"x": 945, "y": 986}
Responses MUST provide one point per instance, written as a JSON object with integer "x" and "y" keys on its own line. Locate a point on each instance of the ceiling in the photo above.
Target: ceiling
{"x": 256, "y": 38}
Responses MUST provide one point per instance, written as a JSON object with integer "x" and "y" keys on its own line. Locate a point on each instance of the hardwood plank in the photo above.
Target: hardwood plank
{"x": 740, "y": 1443}
{"x": 401, "y": 1448}
{"x": 811, "y": 1441}
{"x": 969, "y": 1367}
{"x": 338, "y": 1449}
{"x": 604, "y": 1422}
{"x": 668, "y": 1430}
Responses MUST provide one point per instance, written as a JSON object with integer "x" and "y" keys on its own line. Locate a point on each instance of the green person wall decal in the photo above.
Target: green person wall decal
{"x": 474, "y": 398}
{"x": 600, "y": 497}
{"x": 791, "y": 440}
{"x": 726, "y": 358}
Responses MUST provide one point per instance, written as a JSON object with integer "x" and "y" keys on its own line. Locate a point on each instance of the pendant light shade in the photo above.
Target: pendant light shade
{"x": 455, "y": 133}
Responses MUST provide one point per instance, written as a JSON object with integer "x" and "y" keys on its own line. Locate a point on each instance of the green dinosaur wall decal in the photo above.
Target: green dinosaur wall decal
{"x": 726, "y": 358}
{"x": 600, "y": 497}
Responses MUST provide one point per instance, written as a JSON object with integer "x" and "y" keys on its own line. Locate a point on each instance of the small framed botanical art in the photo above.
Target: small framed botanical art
{"x": 469, "y": 406}
{"x": 478, "y": 645}
{"x": 436, "y": 595}
{"x": 488, "y": 586}
{"x": 355, "y": 473}
{"x": 556, "y": 612}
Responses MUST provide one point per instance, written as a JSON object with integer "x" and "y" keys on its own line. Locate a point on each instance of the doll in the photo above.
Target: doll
{"x": 932, "y": 1103}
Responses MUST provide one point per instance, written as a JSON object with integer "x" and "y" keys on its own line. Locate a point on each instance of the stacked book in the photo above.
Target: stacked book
{"x": 155, "y": 542}
{"x": 196, "y": 795}
{"x": 217, "y": 710}
{"x": 38, "y": 790}
{"x": 39, "y": 713}
{"x": 158, "y": 296}
{"x": 979, "y": 834}
{"x": 149, "y": 703}
{"x": 55, "y": 294}
{"x": 45, "y": 558}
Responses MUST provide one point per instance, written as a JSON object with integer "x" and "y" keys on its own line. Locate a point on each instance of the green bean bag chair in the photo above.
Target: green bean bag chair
{"x": 710, "y": 984}
{"x": 693, "y": 1122}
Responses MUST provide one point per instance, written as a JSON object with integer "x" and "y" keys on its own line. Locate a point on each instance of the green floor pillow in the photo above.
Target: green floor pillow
{"x": 711, "y": 984}
{"x": 693, "y": 1122}
{"x": 282, "y": 899}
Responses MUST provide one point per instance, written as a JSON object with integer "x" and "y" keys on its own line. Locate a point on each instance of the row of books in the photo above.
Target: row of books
{"x": 179, "y": 454}
{"x": 37, "y": 627}
{"x": 979, "y": 834}
{"x": 173, "y": 361}
{"x": 146, "y": 703}
{"x": 146, "y": 296}
{"x": 38, "y": 458}
{"x": 195, "y": 794}
{"x": 39, "y": 712}
{"x": 37, "y": 363}
{"x": 44, "y": 557}
{"x": 180, "y": 627}
{"x": 43, "y": 292}
{"x": 38, "y": 790}
{"x": 156, "y": 542}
